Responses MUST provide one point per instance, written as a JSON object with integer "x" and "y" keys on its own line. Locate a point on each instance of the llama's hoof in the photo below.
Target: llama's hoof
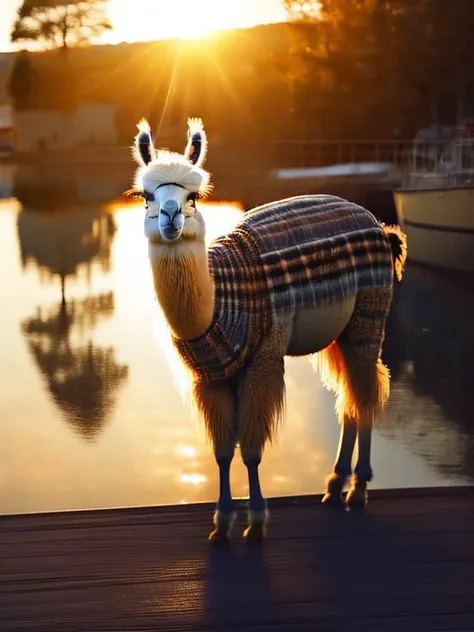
{"x": 223, "y": 523}
{"x": 357, "y": 497}
{"x": 333, "y": 496}
{"x": 219, "y": 536}
{"x": 257, "y": 529}
{"x": 333, "y": 501}
{"x": 255, "y": 532}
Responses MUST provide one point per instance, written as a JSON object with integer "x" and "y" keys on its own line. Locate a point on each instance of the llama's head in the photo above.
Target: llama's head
{"x": 170, "y": 183}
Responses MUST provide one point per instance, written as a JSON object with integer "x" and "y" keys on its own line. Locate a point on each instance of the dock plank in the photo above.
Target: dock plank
{"x": 407, "y": 563}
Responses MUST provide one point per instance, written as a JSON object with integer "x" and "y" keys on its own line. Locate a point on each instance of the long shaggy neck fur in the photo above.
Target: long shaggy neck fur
{"x": 183, "y": 287}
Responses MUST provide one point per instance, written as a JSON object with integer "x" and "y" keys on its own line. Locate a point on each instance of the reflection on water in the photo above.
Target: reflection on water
{"x": 81, "y": 377}
{"x": 90, "y": 412}
{"x": 433, "y": 394}
{"x": 59, "y": 243}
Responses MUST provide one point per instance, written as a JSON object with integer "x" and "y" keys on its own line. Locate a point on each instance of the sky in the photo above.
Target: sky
{"x": 137, "y": 20}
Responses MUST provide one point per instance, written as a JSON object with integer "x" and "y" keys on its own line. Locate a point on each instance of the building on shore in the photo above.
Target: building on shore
{"x": 7, "y": 126}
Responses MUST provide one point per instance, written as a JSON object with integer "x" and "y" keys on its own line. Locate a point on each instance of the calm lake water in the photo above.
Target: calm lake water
{"x": 90, "y": 413}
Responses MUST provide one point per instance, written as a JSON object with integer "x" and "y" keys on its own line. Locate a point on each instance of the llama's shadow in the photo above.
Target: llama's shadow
{"x": 238, "y": 588}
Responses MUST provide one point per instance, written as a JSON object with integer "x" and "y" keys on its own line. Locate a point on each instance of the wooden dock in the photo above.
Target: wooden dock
{"x": 405, "y": 565}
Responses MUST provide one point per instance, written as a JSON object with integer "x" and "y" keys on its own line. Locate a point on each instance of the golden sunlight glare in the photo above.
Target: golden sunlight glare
{"x": 153, "y": 19}
{"x": 193, "y": 479}
{"x": 186, "y": 450}
{"x": 220, "y": 217}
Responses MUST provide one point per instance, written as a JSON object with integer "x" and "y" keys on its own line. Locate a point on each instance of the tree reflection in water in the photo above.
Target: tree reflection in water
{"x": 82, "y": 378}
{"x": 59, "y": 244}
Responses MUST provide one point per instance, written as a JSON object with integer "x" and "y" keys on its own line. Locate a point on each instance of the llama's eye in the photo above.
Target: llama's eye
{"x": 192, "y": 197}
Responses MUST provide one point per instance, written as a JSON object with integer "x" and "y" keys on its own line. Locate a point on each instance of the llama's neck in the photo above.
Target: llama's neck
{"x": 184, "y": 287}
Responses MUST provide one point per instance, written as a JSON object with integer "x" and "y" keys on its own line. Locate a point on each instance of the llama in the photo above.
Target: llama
{"x": 312, "y": 274}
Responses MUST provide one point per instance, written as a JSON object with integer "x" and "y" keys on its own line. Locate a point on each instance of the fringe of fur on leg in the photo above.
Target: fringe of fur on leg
{"x": 217, "y": 405}
{"x": 351, "y": 366}
{"x": 262, "y": 394}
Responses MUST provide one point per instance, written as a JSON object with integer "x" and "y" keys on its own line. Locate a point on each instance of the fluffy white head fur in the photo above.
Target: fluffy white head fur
{"x": 168, "y": 181}
{"x": 166, "y": 167}
{"x": 173, "y": 168}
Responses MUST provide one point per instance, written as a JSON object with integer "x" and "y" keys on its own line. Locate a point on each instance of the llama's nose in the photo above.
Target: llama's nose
{"x": 171, "y": 220}
{"x": 171, "y": 208}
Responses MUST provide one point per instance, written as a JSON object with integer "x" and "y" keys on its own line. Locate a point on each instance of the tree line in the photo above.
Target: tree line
{"x": 60, "y": 23}
{"x": 396, "y": 63}
{"x": 339, "y": 69}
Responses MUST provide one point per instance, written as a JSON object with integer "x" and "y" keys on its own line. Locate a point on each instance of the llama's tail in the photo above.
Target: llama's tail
{"x": 398, "y": 245}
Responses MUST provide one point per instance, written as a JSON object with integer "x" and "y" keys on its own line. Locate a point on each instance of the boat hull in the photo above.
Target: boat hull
{"x": 439, "y": 224}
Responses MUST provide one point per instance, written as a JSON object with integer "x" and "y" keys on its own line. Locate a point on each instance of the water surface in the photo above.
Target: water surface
{"x": 91, "y": 416}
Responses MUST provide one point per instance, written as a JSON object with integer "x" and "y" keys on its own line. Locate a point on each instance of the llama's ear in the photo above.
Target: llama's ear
{"x": 144, "y": 150}
{"x": 196, "y": 149}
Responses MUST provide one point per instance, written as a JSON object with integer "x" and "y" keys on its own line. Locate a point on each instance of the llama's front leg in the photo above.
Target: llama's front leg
{"x": 357, "y": 495}
{"x": 218, "y": 406}
{"x": 261, "y": 398}
{"x": 257, "y": 512}
{"x": 343, "y": 465}
{"x": 225, "y": 514}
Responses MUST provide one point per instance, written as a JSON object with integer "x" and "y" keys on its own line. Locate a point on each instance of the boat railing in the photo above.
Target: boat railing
{"x": 317, "y": 153}
{"x": 441, "y": 163}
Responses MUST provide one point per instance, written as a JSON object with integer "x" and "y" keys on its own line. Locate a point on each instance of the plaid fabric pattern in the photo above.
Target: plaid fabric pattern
{"x": 319, "y": 249}
{"x": 242, "y": 314}
{"x": 301, "y": 252}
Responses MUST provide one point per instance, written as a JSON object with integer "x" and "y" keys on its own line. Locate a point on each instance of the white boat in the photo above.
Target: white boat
{"x": 435, "y": 205}
{"x": 372, "y": 172}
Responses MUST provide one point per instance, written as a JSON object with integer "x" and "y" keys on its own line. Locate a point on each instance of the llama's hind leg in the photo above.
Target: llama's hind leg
{"x": 261, "y": 398}
{"x": 367, "y": 383}
{"x": 353, "y": 369}
{"x": 218, "y": 406}
{"x": 343, "y": 465}
{"x": 332, "y": 366}
{"x": 357, "y": 495}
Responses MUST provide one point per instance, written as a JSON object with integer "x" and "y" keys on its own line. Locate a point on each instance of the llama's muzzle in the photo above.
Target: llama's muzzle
{"x": 171, "y": 220}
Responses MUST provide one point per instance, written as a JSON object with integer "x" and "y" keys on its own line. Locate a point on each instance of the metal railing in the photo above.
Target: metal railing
{"x": 441, "y": 163}
{"x": 315, "y": 153}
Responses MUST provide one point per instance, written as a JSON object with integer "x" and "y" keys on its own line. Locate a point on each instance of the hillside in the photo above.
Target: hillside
{"x": 235, "y": 80}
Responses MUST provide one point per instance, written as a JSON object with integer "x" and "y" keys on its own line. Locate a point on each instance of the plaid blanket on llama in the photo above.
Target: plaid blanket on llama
{"x": 301, "y": 252}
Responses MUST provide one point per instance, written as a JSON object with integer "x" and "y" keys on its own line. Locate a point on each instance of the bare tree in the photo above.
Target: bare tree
{"x": 60, "y": 23}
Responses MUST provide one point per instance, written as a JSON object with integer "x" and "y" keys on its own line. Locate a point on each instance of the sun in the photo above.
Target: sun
{"x": 143, "y": 20}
